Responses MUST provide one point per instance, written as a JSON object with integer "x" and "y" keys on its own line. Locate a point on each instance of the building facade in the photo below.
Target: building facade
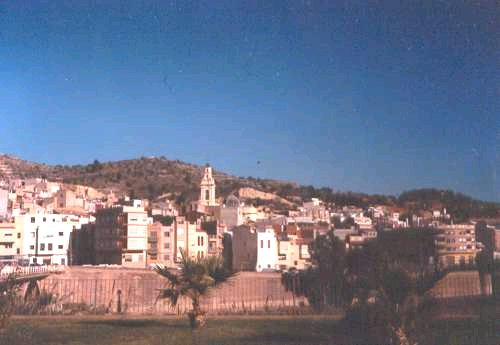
{"x": 4, "y": 203}
{"x": 456, "y": 244}
{"x": 267, "y": 250}
{"x": 161, "y": 244}
{"x": 10, "y": 243}
{"x": 244, "y": 248}
{"x": 46, "y": 237}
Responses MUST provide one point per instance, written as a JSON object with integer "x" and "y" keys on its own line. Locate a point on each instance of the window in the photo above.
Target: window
{"x": 61, "y": 233}
{"x": 42, "y": 246}
{"x": 198, "y": 240}
{"x": 44, "y": 219}
{"x": 268, "y": 243}
{"x": 60, "y": 246}
{"x": 18, "y": 235}
{"x": 32, "y": 219}
{"x": 18, "y": 251}
{"x": 8, "y": 245}
{"x": 207, "y": 195}
{"x": 53, "y": 220}
{"x": 49, "y": 246}
{"x": 262, "y": 243}
{"x": 32, "y": 247}
{"x": 202, "y": 242}
{"x": 166, "y": 234}
{"x": 63, "y": 261}
{"x": 166, "y": 245}
{"x": 166, "y": 257}
{"x": 8, "y": 235}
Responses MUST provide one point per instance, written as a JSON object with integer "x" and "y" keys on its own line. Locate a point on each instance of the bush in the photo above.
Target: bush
{"x": 9, "y": 289}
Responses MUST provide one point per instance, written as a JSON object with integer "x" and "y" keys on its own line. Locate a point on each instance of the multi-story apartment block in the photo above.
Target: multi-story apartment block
{"x": 185, "y": 238}
{"x": 456, "y": 244}
{"x": 134, "y": 253}
{"x": 10, "y": 242}
{"x": 46, "y": 237}
{"x": 118, "y": 237}
{"x": 161, "y": 244}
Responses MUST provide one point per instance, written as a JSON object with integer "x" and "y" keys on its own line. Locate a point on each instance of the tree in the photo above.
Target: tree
{"x": 227, "y": 252}
{"x": 323, "y": 283}
{"x": 9, "y": 289}
{"x": 196, "y": 278}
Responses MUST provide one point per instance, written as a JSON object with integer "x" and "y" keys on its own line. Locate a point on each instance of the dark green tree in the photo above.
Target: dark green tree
{"x": 227, "y": 252}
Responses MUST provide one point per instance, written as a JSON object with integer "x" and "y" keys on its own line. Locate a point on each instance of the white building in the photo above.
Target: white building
{"x": 4, "y": 202}
{"x": 134, "y": 254}
{"x": 267, "y": 249}
{"x": 46, "y": 237}
{"x": 315, "y": 209}
{"x": 363, "y": 223}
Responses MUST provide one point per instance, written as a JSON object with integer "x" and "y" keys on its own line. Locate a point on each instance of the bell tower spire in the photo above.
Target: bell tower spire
{"x": 207, "y": 188}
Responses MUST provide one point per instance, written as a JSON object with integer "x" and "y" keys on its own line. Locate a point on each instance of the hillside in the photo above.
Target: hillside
{"x": 144, "y": 177}
{"x": 155, "y": 176}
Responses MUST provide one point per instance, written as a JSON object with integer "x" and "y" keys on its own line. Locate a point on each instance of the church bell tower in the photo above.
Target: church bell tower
{"x": 207, "y": 188}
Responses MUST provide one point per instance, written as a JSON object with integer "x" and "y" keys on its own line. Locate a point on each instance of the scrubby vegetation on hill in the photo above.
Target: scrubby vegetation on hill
{"x": 155, "y": 176}
{"x": 461, "y": 206}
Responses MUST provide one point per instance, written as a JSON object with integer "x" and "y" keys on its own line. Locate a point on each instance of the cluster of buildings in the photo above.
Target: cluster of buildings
{"x": 46, "y": 222}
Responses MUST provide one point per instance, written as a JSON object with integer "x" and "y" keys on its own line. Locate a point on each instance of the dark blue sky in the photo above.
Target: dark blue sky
{"x": 359, "y": 96}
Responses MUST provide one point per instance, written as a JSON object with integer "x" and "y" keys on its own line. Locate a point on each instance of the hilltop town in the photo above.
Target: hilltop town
{"x": 51, "y": 219}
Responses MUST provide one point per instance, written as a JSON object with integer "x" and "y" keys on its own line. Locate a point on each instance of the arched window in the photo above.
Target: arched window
{"x": 207, "y": 195}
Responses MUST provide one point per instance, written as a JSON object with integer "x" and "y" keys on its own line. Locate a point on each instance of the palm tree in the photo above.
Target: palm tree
{"x": 196, "y": 278}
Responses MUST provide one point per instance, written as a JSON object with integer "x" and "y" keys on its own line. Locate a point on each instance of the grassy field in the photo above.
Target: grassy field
{"x": 219, "y": 331}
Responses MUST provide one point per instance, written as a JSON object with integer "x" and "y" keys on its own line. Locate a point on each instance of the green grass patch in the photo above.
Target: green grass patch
{"x": 222, "y": 331}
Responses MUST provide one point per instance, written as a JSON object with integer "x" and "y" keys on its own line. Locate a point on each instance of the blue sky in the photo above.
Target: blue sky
{"x": 376, "y": 98}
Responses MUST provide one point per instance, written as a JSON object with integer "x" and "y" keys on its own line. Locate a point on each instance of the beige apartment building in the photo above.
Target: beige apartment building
{"x": 456, "y": 244}
{"x": 161, "y": 244}
{"x": 10, "y": 242}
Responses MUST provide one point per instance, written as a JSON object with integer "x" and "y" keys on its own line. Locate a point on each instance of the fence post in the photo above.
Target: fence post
{"x": 119, "y": 302}
{"x": 95, "y": 296}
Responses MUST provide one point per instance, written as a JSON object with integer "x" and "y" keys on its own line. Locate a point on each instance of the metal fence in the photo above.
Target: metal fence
{"x": 140, "y": 296}
{"x": 463, "y": 284}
